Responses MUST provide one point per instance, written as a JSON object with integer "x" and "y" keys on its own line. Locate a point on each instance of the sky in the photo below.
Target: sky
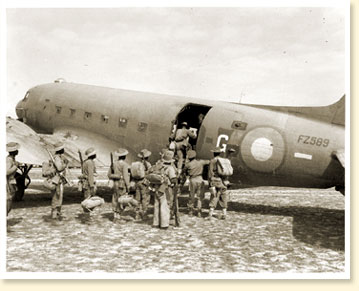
{"x": 278, "y": 56}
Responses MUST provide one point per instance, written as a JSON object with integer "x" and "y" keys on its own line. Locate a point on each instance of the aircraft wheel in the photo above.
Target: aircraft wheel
{"x": 341, "y": 189}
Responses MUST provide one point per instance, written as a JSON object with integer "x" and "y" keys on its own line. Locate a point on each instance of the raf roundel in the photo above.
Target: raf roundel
{"x": 263, "y": 149}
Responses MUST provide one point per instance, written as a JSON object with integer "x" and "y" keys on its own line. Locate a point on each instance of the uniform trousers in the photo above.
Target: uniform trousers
{"x": 161, "y": 213}
{"x": 10, "y": 193}
{"x": 57, "y": 197}
{"x": 220, "y": 194}
{"x": 196, "y": 192}
{"x": 119, "y": 190}
{"x": 142, "y": 195}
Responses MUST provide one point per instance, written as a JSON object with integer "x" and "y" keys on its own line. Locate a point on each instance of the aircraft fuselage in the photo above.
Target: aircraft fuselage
{"x": 272, "y": 148}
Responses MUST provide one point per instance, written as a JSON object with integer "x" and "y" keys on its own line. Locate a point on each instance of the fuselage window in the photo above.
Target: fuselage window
{"x": 72, "y": 112}
{"x": 58, "y": 109}
{"x": 122, "y": 122}
{"x": 240, "y": 125}
{"x": 142, "y": 126}
{"x": 104, "y": 118}
{"x": 26, "y": 96}
{"x": 87, "y": 115}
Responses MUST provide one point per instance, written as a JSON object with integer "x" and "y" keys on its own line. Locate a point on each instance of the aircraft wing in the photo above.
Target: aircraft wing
{"x": 340, "y": 155}
{"x": 76, "y": 139}
{"x": 32, "y": 146}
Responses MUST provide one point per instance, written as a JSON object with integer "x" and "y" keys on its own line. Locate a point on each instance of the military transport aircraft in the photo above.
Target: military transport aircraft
{"x": 274, "y": 146}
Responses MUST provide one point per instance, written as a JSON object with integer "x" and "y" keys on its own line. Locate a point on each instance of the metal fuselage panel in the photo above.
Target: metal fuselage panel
{"x": 272, "y": 148}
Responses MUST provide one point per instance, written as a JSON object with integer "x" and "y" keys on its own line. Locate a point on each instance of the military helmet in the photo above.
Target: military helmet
{"x": 59, "y": 146}
{"x": 217, "y": 150}
{"x": 90, "y": 152}
{"x": 145, "y": 153}
{"x": 163, "y": 151}
{"x": 191, "y": 154}
{"x": 121, "y": 152}
{"x": 12, "y": 147}
{"x": 168, "y": 157}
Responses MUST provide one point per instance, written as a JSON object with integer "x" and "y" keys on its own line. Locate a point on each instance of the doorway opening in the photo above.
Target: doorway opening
{"x": 194, "y": 115}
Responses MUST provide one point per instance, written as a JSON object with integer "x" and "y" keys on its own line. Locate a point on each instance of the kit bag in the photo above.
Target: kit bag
{"x": 92, "y": 202}
{"x": 48, "y": 169}
{"x": 224, "y": 167}
{"x": 156, "y": 174}
{"x": 48, "y": 184}
{"x": 138, "y": 170}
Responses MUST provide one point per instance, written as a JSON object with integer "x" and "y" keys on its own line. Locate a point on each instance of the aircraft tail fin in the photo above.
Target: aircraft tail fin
{"x": 333, "y": 113}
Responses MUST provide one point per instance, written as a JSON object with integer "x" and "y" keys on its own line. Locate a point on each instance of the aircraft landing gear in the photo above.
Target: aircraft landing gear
{"x": 22, "y": 182}
{"x": 340, "y": 188}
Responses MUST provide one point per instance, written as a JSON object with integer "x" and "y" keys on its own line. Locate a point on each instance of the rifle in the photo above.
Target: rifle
{"x": 57, "y": 170}
{"x": 112, "y": 170}
{"x": 81, "y": 162}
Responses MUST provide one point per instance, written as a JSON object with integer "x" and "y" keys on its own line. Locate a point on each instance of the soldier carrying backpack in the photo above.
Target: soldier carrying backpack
{"x": 219, "y": 170}
{"x": 162, "y": 176}
{"x": 139, "y": 170}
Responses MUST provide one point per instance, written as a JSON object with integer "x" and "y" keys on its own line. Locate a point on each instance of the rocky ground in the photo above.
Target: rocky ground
{"x": 267, "y": 230}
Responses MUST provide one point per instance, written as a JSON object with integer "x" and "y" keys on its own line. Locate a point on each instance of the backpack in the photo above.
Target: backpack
{"x": 224, "y": 167}
{"x": 48, "y": 169}
{"x": 138, "y": 170}
{"x": 157, "y": 174}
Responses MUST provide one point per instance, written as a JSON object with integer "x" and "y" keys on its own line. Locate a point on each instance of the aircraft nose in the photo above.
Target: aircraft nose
{"x": 20, "y": 110}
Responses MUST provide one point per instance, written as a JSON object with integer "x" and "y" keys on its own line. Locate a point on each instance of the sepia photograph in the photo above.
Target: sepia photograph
{"x": 177, "y": 142}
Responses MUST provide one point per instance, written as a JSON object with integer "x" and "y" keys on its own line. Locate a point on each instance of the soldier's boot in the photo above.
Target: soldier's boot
{"x": 59, "y": 213}
{"x": 138, "y": 215}
{"x": 190, "y": 211}
{"x": 210, "y": 215}
{"x": 53, "y": 213}
{"x": 224, "y": 215}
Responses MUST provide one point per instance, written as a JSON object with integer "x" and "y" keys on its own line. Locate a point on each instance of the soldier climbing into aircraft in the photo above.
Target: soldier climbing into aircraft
{"x": 180, "y": 137}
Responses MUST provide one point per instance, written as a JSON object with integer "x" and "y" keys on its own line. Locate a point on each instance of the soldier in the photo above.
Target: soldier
{"x": 194, "y": 169}
{"x": 217, "y": 186}
{"x": 60, "y": 164}
{"x": 11, "y": 167}
{"x": 181, "y": 139}
{"x": 164, "y": 177}
{"x": 121, "y": 180}
{"x": 89, "y": 171}
{"x": 141, "y": 185}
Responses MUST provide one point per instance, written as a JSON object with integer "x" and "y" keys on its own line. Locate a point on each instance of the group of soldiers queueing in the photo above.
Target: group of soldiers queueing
{"x": 161, "y": 180}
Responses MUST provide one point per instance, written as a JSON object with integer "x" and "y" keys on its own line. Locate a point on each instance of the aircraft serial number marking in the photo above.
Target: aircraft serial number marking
{"x": 313, "y": 140}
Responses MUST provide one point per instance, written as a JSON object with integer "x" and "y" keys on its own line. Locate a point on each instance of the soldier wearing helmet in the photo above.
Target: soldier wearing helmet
{"x": 11, "y": 166}
{"x": 121, "y": 180}
{"x": 194, "y": 170}
{"x": 217, "y": 186}
{"x": 180, "y": 138}
{"x": 89, "y": 172}
{"x": 60, "y": 164}
{"x": 141, "y": 185}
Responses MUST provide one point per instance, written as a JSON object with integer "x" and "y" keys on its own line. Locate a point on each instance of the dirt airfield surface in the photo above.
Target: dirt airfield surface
{"x": 268, "y": 229}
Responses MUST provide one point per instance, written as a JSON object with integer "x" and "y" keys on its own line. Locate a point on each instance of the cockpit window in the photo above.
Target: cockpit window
{"x": 26, "y": 96}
